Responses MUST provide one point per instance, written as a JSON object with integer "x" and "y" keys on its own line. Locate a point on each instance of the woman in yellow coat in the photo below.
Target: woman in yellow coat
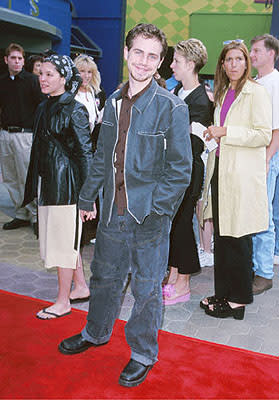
{"x": 237, "y": 174}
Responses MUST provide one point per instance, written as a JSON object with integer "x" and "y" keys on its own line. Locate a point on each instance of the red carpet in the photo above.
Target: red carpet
{"x": 32, "y": 368}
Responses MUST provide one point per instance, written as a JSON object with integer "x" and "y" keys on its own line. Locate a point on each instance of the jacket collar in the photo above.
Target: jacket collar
{"x": 247, "y": 88}
{"x": 144, "y": 100}
{"x": 66, "y": 98}
{"x": 20, "y": 75}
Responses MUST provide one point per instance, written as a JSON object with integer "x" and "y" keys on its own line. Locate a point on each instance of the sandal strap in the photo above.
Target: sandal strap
{"x": 221, "y": 306}
{"x": 213, "y": 300}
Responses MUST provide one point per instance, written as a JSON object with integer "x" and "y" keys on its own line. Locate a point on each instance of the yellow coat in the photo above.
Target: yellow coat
{"x": 243, "y": 207}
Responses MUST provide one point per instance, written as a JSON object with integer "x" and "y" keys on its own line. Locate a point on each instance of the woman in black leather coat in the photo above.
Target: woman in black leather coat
{"x": 60, "y": 160}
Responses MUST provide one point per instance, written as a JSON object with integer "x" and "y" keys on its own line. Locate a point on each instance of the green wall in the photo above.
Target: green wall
{"x": 214, "y": 28}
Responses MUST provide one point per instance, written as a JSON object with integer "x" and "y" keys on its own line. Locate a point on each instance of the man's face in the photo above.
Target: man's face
{"x": 15, "y": 62}
{"x": 143, "y": 58}
{"x": 260, "y": 55}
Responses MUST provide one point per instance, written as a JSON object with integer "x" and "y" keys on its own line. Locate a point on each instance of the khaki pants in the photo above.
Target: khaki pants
{"x": 15, "y": 151}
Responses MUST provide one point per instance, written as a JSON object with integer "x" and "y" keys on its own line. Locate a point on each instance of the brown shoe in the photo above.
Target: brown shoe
{"x": 261, "y": 284}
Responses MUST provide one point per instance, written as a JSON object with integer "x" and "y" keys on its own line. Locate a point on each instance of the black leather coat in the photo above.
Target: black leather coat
{"x": 61, "y": 152}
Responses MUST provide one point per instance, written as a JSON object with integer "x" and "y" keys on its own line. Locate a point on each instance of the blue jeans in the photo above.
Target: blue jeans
{"x": 276, "y": 216}
{"x": 144, "y": 247}
{"x": 264, "y": 242}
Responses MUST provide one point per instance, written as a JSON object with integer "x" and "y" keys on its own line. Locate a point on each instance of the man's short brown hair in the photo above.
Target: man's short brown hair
{"x": 270, "y": 43}
{"x": 148, "y": 31}
{"x": 14, "y": 47}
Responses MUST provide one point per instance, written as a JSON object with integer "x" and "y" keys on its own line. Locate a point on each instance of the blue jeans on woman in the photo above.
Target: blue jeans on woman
{"x": 264, "y": 242}
{"x": 144, "y": 248}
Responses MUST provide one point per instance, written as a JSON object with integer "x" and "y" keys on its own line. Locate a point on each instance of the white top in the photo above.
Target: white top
{"x": 271, "y": 83}
{"x": 88, "y": 99}
{"x": 182, "y": 94}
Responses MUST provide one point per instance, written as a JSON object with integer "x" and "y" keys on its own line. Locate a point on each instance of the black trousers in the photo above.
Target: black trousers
{"x": 183, "y": 248}
{"x": 232, "y": 257}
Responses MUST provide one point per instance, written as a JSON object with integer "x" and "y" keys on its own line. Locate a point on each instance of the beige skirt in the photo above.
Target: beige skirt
{"x": 59, "y": 234}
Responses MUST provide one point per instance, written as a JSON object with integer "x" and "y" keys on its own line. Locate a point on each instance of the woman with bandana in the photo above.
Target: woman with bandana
{"x": 60, "y": 160}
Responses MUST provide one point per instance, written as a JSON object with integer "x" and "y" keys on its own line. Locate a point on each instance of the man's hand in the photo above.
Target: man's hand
{"x": 88, "y": 215}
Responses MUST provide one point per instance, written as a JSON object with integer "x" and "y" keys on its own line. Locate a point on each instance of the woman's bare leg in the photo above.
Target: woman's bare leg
{"x": 181, "y": 286}
{"x": 206, "y": 235}
{"x": 80, "y": 286}
{"x": 62, "y": 304}
{"x": 172, "y": 276}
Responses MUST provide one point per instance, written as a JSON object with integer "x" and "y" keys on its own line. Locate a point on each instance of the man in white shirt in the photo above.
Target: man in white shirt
{"x": 264, "y": 53}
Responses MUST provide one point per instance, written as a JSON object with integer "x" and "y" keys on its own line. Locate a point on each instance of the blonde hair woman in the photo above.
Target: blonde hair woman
{"x": 90, "y": 87}
{"x": 92, "y": 96}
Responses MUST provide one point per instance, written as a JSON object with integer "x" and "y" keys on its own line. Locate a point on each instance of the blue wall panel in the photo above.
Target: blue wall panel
{"x": 55, "y": 12}
{"x": 104, "y": 23}
{"x": 102, "y": 20}
{"x": 97, "y": 8}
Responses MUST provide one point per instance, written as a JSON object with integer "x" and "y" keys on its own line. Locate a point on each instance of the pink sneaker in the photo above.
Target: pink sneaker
{"x": 170, "y": 292}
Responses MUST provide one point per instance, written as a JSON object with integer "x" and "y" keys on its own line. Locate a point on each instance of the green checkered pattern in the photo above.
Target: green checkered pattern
{"x": 172, "y": 16}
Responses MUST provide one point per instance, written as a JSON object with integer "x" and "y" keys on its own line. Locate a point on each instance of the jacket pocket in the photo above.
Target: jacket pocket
{"x": 150, "y": 153}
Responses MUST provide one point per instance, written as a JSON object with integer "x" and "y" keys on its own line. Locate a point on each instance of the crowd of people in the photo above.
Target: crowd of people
{"x": 146, "y": 163}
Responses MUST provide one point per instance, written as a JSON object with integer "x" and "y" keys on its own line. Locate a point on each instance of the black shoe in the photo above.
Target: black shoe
{"x": 15, "y": 223}
{"x": 224, "y": 310}
{"x": 211, "y": 300}
{"x": 134, "y": 373}
{"x": 75, "y": 344}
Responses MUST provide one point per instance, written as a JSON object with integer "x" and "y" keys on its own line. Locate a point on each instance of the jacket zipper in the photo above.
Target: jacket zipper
{"x": 127, "y": 201}
{"x": 113, "y": 102}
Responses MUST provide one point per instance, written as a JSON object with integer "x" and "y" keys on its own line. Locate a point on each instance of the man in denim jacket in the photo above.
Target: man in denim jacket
{"x": 143, "y": 161}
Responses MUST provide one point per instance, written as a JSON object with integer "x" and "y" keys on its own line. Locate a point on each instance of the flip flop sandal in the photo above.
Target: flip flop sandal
{"x": 54, "y": 315}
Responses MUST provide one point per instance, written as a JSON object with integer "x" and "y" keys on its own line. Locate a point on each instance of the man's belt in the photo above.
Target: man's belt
{"x": 14, "y": 129}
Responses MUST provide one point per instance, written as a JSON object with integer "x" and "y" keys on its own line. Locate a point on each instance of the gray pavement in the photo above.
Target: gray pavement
{"x": 22, "y": 272}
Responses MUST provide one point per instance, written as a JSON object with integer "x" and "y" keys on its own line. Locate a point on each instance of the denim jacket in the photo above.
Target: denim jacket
{"x": 158, "y": 156}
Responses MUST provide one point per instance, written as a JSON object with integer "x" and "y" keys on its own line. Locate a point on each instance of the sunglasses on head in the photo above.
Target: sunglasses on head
{"x": 232, "y": 41}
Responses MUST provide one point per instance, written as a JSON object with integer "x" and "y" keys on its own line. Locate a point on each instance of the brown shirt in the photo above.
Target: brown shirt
{"x": 119, "y": 158}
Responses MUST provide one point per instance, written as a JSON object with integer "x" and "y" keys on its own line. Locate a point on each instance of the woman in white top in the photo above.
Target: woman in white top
{"x": 90, "y": 86}
{"x": 88, "y": 94}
